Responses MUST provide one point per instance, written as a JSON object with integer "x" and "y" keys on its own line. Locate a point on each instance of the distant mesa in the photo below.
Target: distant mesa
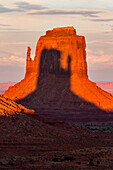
{"x": 57, "y": 77}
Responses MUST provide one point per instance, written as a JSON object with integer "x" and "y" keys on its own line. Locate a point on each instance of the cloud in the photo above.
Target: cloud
{"x": 36, "y": 9}
{"x": 17, "y": 43}
{"x": 110, "y": 41}
{"x": 9, "y": 29}
{"x": 4, "y": 9}
{"x": 92, "y": 42}
{"x": 99, "y": 60}
{"x": 91, "y": 13}
{"x": 25, "y": 6}
{"x": 102, "y": 19}
{"x": 4, "y": 25}
{"x": 12, "y": 61}
{"x": 21, "y": 7}
{"x": 110, "y": 31}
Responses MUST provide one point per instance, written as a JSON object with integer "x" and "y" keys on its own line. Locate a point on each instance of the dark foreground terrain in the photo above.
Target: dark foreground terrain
{"x": 33, "y": 142}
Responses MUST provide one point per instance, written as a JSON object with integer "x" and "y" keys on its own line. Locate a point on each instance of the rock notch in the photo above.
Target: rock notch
{"x": 57, "y": 77}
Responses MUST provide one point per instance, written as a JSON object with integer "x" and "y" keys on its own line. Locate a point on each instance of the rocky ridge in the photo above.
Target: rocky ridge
{"x": 9, "y": 107}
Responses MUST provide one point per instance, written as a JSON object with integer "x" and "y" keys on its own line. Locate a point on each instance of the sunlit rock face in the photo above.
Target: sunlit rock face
{"x": 9, "y": 107}
{"x": 60, "y": 55}
{"x": 68, "y": 45}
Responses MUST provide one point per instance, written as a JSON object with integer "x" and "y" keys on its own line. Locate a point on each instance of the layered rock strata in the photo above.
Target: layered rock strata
{"x": 9, "y": 107}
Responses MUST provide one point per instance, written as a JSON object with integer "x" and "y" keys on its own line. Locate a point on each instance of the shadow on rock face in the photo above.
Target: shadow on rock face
{"x": 58, "y": 71}
{"x": 53, "y": 98}
{"x": 50, "y": 63}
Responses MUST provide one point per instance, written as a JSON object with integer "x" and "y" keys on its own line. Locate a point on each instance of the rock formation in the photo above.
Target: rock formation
{"x": 58, "y": 74}
{"x": 9, "y": 107}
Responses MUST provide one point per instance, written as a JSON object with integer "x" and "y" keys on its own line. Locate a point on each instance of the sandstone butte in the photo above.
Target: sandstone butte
{"x": 61, "y": 51}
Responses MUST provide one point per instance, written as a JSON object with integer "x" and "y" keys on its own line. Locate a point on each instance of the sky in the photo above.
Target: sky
{"x": 23, "y": 22}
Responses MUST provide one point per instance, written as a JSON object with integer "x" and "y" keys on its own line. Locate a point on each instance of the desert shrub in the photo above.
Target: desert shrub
{"x": 49, "y": 159}
{"x": 1, "y": 163}
{"x": 10, "y": 163}
{"x": 53, "y": 166}
{"x": 33, "y": 167}
{"x": 32, "y": 161}
{"x": 54, "y": 154}
{"x": 55, "y": 159}
{"x": 79, "y": 163}
{"x": 91, "y": 162}
{"x": 68, "y": 158}
{"x": 98, "y": 162}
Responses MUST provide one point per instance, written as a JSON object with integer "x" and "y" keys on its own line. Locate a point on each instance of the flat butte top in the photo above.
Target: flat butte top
{"x": 61, "y": 31}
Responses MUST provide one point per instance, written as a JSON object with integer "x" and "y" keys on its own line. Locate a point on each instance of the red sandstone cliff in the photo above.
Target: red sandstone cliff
{"x": 58, "y": 53}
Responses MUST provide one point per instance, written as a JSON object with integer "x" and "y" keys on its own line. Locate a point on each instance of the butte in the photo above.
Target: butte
{"x": 57, "y": 78}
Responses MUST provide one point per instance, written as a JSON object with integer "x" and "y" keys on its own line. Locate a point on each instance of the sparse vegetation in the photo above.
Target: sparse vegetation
{"x": 53, "y": 166}
{"x": 98, "y": 162}
{"x": 1, "y": 163}
{"x": 24, "y": 133}
{"x": 68, "y": 158}
{"x": 91, "y": 162}
{"x": 99, "y": 127}
{"x": 55, "y": 160}
{"x": 10, "y": 163}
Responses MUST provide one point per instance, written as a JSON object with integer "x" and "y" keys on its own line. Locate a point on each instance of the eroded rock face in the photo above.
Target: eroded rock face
{"x": 60, "y": 56}
{"x": 58, "y": 46}
{"x": 9, "y": 107}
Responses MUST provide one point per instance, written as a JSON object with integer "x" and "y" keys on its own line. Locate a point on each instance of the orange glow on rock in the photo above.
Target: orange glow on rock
{"x": 70, "y": 46}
